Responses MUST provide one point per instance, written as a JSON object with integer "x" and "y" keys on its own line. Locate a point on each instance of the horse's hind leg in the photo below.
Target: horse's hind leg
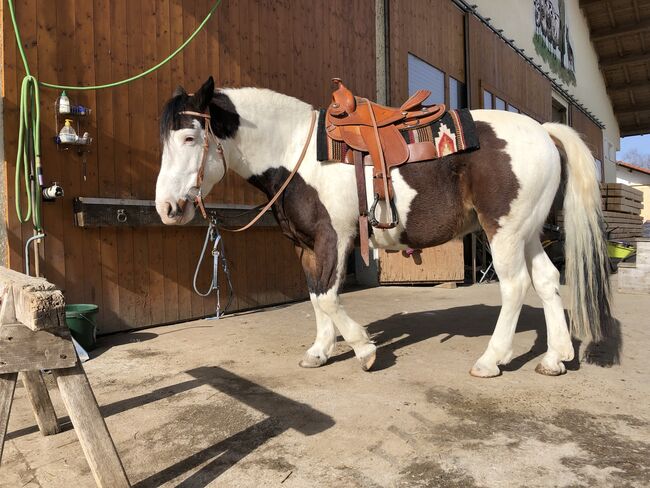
{"x": 510, "y": 264}
{"x": 546, "y": 280}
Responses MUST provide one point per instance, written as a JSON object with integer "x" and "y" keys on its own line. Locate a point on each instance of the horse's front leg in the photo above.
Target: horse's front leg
{"x": 323, "y": 347}
{"x": 324, "y": 269}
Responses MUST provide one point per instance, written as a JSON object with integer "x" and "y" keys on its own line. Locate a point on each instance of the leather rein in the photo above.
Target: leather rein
{"x": 195, "y": 194}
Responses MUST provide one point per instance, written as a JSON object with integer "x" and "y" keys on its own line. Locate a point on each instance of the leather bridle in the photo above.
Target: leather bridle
{"x": 195, "y": 195}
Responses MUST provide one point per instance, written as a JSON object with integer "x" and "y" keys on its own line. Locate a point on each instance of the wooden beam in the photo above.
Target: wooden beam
{"x": 623, "y": 30}
{"x": 631, "y": 110}
{"x": 587, "y": 3}
{"x": 616, "y": 61}
{"x": 94, "y": 437}
{"x": 628, "y": 86}
{"x": 635, "y": 131}
{"x": 41, "y": 403}
{"x": 32, "y": 301}
{"x": 113, "y": 212}
{"x": 26, "y": 350}
{"x": 7, "y": 387}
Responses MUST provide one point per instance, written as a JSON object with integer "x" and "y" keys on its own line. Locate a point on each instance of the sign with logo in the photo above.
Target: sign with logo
{"x": 552, "y": 40}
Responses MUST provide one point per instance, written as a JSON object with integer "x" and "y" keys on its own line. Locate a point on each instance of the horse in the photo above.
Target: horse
{"x": 506, "y": 187}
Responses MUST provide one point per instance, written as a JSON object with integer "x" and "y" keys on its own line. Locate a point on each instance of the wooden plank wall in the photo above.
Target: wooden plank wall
{"x": 591, "y": 133}
{"x": 142, "y": 276}
{"x": 497, "y": 67}
{"x": 433, "y": 31}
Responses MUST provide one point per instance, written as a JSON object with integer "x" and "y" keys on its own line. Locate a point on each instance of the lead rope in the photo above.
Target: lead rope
{"x": 218, "y": 254}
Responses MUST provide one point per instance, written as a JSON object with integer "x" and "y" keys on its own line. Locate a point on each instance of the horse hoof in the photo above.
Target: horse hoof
{"x": 309, "y": 361}
{"x": 367, "y": 356}
{"x": 480, "y": 371}
{"x": 549, "y": 371}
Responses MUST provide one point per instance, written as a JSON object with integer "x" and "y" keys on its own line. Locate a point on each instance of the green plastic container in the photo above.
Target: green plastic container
{"x": 80, "y": 318}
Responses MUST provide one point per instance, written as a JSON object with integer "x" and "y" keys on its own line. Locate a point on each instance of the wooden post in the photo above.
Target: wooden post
{"x": 7, "y": 387}
{"x": 91, "y": 429}
{"x": 42, "y": 406}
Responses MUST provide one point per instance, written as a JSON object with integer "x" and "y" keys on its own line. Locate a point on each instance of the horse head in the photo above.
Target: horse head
{"x": 192, "y": 128}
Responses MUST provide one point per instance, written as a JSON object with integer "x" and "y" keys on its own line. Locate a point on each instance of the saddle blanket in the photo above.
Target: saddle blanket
{"x": 454, "y": 132}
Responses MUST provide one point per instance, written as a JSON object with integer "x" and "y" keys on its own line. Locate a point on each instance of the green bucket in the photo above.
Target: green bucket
{"x": 80, "y": 318}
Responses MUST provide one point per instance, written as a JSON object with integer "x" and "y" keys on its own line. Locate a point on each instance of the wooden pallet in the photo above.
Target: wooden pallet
{"x": 621, "y": 190}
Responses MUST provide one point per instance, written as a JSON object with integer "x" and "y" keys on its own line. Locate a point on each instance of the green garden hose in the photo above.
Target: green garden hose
{"x": 29, "y": 150}
{"x": 29, "y": 144}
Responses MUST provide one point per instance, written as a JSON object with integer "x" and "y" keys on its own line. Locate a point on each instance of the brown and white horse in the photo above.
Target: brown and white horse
{"x": 506, "y": 187}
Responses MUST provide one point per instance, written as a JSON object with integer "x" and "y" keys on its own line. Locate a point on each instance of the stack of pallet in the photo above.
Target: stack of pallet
{"x": 622, "y": 206}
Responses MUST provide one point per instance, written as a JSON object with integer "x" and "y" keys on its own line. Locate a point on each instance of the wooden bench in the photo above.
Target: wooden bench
{"x": 34, "y": 337}
{"x": 371, "y": 128}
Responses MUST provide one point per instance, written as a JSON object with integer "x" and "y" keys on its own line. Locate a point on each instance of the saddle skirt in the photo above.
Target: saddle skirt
{"x": 450, "y": 132}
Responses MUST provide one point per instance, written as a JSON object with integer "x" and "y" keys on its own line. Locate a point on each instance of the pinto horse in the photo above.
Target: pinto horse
{"x": 506, "y": 187}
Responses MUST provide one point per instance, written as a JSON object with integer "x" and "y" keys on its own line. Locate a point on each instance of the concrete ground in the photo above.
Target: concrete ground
{"x": 224, "y": 403}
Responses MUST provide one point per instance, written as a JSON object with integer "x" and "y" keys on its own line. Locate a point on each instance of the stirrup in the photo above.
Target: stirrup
{"x": 372, "y": 220}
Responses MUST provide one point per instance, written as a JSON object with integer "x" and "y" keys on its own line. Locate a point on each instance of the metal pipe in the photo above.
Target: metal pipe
{"x": 29, "y": 241}
{"x": 468, "y": 62}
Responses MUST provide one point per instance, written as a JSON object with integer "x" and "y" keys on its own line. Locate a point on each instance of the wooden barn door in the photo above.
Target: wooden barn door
{"x": 437, "y": 57}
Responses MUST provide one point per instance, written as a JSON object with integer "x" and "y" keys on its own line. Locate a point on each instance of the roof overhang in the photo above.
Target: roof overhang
{"x": 620, "y": 31}
{"x": 633, "y": 167}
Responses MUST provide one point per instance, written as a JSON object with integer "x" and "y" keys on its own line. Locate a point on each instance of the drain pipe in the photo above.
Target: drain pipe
{"x": 35, "y": 237}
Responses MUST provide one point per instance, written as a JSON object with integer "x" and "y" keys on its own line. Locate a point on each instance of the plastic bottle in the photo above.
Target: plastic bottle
{"x": 67, "y": 134}
{"x": 64, "y": 103}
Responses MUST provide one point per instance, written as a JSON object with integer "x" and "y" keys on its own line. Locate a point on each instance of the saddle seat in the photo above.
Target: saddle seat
{"x": 375, "y": 129}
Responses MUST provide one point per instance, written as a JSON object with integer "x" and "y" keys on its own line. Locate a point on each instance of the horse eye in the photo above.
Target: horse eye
{"x": 189, "y": 140}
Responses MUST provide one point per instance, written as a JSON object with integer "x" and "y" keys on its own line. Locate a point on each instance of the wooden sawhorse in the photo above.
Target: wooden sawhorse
{"x": 34, "y": 337}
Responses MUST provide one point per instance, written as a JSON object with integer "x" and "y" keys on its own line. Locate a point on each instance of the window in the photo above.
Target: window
{"x": 599, "y": 169}
{"x": 559, "y": 112}
{"x": 491, "y": 101}
{"x": 487, "y": 99}
{"x": 457, "y": 94}
{"x": 423, "y": 76}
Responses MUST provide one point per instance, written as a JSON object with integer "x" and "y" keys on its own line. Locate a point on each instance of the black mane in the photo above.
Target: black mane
{"x": 224, "y": 116}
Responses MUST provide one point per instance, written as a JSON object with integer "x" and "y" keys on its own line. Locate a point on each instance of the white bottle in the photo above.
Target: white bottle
{"x": 68, "y": 134}
{"x": 64, "y": 103}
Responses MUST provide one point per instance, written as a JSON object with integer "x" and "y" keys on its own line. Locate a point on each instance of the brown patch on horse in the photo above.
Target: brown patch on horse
{"x": 457, "y": 190}
{"x": 305, "y": 220}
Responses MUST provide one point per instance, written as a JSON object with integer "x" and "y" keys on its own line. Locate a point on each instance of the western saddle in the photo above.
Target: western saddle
{"x": 372, "y": 131}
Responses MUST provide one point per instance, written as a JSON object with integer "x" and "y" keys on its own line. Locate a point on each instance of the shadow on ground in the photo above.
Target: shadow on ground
{"x": 281, "y": 413}
{"x": 404, "y": 329}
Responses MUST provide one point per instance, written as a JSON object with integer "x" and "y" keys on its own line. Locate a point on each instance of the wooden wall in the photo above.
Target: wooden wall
{"x": 142, "y": 276}
{"x": 495, "y": 66}
{"x": 591, "y": 133}
{"x": 432, "y": 31}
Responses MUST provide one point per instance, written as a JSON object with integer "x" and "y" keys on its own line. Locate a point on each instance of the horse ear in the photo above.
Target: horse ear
{"x": 204, "y": 94}
{"x": 179, "y": 91}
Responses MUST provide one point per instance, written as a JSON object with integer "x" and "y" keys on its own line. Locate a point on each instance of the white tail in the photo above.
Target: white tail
{"x": 585, "y": 249}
